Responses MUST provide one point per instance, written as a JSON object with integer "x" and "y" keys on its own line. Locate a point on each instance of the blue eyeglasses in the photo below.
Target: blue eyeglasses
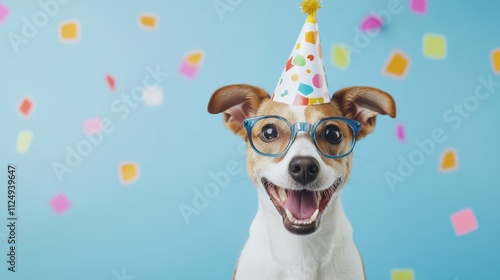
{"x": 273, "y": 136}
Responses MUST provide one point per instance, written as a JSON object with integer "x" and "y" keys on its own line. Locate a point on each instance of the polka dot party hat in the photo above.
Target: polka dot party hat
{"x": 303, "y": 81}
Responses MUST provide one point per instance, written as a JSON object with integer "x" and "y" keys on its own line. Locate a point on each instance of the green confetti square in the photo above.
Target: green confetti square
{"x": 434, "y": 46}
{"x": 402, "y": 274}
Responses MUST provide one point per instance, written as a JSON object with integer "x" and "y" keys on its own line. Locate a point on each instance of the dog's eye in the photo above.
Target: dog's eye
{"x": 269, "y": 133}
{"x": 333, "y": 134}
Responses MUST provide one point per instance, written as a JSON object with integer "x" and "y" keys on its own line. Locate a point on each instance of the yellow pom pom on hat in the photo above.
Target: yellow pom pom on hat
{"x": 303, "y": 81}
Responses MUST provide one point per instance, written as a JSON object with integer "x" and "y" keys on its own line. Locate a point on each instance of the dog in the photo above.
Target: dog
{"x": 300, "y": 230}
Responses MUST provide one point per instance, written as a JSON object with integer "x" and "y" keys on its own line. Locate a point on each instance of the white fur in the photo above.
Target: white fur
{"x": 271, "y": 252}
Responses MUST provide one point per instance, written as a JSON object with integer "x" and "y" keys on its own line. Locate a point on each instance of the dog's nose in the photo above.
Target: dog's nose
{"x": 303, "y": 169}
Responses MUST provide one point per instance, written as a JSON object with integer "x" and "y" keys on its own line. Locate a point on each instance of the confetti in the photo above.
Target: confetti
{"x": 26, "y": 107}
{"x": 464, "y": 221}
{"x": 128, "y": 172}
{"x": 449, "y": 161}
{"x": 434, "y": 46}
{"x": 495, "y": 60}
{"x": 397, "y": 65}
{"x": 418, "y": 6}
{"x": 402, "y": 274}
{"x": 4, "y": 12}
{"x": 371, "y": 23}
{"x": 340, "y": 56}
{"x": 24, "y": 139}
{"x": 69, "y": 31}
{"x": 148, "y": 21}
{"x": 92, "y": 126}
{"x": 400, "y": 132}
{"x": 191, "y": 63}
{"x": 60, "y": 204}
{"x": 111, "y": 82}
{"x": 153, "y": 96}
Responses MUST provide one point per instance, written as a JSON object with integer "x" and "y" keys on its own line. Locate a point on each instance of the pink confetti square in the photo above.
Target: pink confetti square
{"x": 464, "y": 221}
{"x": 4, "y": 12}
{"x": 60, "y": 204}
{"x": 401, "y": 133}
{"x": 188, "y": 70}
{"x": 371, "y": 23}
{"x": 418, "y": 6}
{"x": 92, "y": 126}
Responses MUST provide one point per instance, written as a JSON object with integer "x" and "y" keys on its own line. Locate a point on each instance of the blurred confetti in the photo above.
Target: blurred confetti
{"x": 153, "y": 96}
{"x": 371, "y": 23}
{"x": 402, "y": 274}
{"x": 418, "y": 6}
{"x": 191, "y": 63}
{"x": 495, "y": 60}
{"x": 128, "y": 172}
{"x": 26, "y": 107}
{"x": 60, "y": 204}
{"x": 434, "y": 46}
{"x": 69, "y": 31}
{"x": 397, "y": 64}
{"x": 92, "y": 126}
{"x": 24, "y": 139}
{"x": 400, "y": 132}
{"x": 110, "y": 80}
{"x": 449, "y": 161}
{"x": 4, "y": 12}
{"x": 464, "y": 222}
{"x": 148, "y": 21}
{"x": 340, "y": 56}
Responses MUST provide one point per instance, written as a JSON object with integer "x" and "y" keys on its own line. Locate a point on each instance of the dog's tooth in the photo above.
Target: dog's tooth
{"x": 289, "y": 215}
{"x": 314, "y": 215}
{"x": 318, "y": 194}
{"x": 282, "y": 193}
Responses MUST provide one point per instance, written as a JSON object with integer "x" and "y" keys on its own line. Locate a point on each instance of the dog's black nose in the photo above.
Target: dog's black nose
{"x": 303, "y": 169}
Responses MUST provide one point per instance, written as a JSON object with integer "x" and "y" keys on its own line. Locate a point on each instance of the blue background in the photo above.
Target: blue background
{"x": 138, "y": 228}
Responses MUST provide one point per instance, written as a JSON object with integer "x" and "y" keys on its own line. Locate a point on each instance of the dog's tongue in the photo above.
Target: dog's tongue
{"x": 301, "y": 204}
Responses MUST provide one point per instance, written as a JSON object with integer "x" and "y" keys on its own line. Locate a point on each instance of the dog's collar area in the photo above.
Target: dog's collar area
{"x": 301, "y": 210}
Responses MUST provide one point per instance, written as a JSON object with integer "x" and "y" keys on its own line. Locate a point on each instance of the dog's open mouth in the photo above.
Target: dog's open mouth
{"x": 301, "y": 210}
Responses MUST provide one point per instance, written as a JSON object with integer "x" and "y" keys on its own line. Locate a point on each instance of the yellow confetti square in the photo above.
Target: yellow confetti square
{"x": 24, "y": 139}
{"x": 397, "y": 65}
{"x": 148, "y": 21}
{"x": 340, "y": 56}
{"x": 402, "y": 274}
{"x": 69, "y": 31}
{"x": 195, "y": 58}
{"x": 128, "y": 172}
{"x": 434, "y": 46}
{"x": 495, "y": 60}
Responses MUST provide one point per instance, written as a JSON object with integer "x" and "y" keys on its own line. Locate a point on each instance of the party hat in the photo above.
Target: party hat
{"x": 303, "y": 81}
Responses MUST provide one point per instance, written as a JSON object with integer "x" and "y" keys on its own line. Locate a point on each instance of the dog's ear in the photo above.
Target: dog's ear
{"x": 238, "y": 102}
{"x": 364, "y": 104}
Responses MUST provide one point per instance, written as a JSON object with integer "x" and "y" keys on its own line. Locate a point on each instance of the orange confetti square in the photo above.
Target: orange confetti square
{"x": 449, "y": 160}
{"x": 148, "y": 21}
{"x": 310, "y": 37}
{"x": 128, "y": 172}
{"x": 495, "y": 60}
{"x": 69, "y": 31}
{"x": 397, "y": 65}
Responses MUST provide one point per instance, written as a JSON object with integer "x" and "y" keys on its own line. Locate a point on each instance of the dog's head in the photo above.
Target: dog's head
{"x": 300, "y": 156}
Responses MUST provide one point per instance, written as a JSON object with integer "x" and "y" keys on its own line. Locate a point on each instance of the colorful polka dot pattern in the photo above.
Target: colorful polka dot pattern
{"x": 303, "y": 81}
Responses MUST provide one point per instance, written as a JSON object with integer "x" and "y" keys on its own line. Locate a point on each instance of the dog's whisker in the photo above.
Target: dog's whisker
{"x": 367, "y": 160}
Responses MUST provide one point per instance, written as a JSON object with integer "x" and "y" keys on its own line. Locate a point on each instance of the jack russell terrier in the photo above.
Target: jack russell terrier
{"x": 300, "y": 159}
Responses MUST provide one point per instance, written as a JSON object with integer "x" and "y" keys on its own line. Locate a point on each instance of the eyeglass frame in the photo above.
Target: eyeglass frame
{"x": 302, "y": 126}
